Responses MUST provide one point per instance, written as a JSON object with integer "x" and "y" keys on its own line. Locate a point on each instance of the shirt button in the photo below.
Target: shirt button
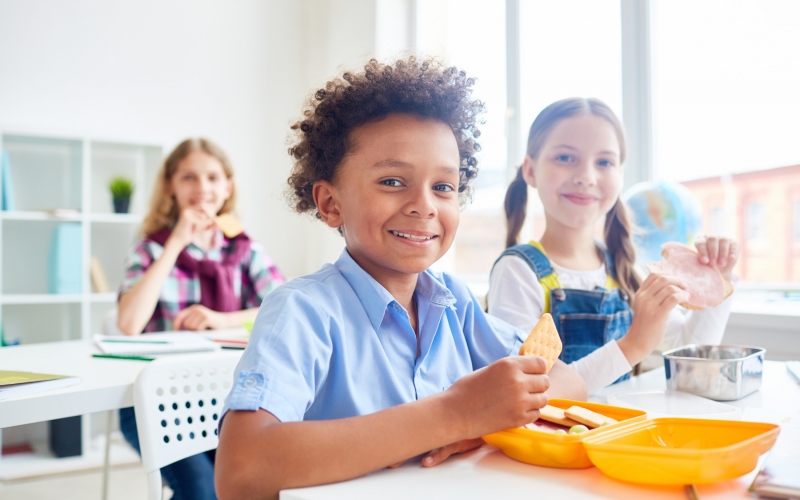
{"x": 396, "y": 307}
{"x": 250, "y": 382}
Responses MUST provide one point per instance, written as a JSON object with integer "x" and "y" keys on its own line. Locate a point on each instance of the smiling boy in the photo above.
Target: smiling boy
{"x": 374, "y": 359}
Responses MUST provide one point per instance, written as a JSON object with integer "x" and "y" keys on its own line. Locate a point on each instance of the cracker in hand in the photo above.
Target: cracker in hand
{"x": 543, "y": 341}
{"x": 230, "y": 225}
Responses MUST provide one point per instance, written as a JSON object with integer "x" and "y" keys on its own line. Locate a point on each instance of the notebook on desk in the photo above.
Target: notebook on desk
{"x": 153, "y": 344}
{"x": 14, "y": 384}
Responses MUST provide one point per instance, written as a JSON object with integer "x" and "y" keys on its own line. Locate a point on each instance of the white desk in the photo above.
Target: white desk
{"x": 487, "y": 473}
{"x": 106, "y": 384}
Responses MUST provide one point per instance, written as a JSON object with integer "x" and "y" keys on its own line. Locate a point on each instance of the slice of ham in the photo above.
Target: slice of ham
{"x": 706, "y": 286}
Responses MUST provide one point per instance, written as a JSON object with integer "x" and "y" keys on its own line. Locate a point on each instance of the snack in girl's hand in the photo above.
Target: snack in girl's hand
{"x": 543, "y": 341}
{"x": 706, "y": 286}
{"x": 230, "y": 225}
{"x": 588, "y": 418}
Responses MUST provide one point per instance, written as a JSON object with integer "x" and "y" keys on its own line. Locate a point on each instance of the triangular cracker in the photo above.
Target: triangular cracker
{"x": 543, "y": 341}
{"x": 230, "y": 225}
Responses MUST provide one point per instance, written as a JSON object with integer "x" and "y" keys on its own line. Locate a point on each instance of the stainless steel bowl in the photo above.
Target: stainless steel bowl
{"x": 720, "y": 372}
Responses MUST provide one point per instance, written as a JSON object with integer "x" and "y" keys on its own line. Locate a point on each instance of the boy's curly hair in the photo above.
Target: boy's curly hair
{"x": 426, "y": 88}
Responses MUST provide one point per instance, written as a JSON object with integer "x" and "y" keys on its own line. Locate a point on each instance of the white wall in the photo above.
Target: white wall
{"x": 161, "y": 71}
{"x": 236, "y": 72}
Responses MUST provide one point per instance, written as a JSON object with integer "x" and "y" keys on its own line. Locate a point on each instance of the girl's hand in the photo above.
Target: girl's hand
{"x": 507, "y": 393}
{"x": 193, "y": 220}
{"x": 198, "y": 317}
{"x": 721, "y": 253}
{"x": 654, "y": 300}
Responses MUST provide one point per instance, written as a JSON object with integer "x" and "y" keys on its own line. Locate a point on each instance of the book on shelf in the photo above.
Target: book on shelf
{"x": 5, "y": 180}
{"x": 98, "y": 276}
{"x": 154, "y": 344}
{"x": 64, "y": 270}
{"x": 14, "y": 384}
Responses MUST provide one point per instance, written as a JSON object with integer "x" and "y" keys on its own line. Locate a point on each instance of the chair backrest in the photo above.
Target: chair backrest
{"x": 178, "y": 401}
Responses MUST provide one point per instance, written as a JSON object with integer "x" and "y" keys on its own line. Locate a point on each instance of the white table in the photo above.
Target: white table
{"x": 106, "y": 385}
{"x": 487, "y": 473}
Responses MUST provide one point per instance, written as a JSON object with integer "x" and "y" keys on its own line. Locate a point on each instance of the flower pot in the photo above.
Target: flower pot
{"x": 121, "y": 205}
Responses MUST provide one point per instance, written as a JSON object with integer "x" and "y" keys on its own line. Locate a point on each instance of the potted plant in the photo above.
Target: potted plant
{"x": 121, "y": 191}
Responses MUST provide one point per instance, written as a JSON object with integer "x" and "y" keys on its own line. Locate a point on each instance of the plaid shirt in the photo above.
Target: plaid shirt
{"x": 254, "y": 278}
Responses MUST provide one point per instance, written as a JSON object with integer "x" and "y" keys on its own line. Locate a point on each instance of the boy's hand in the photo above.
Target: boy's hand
{"x": 721, "y": 253}
{"x": 654, "y": 300}
{"x": 508, "y": 393}
{"x": 439, "y": 455}
{"x": 198, "y": 317}
{"x": 192, "y": 220}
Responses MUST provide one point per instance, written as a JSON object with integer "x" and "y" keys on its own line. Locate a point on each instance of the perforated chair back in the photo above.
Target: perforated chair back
{"x": 178, "y": 401}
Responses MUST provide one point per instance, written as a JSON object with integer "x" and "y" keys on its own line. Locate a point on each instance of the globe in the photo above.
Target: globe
{"x": 662, "y": 212}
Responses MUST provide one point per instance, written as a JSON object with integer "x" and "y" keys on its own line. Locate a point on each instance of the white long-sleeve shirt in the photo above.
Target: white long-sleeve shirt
{"x": 517, "y": 297}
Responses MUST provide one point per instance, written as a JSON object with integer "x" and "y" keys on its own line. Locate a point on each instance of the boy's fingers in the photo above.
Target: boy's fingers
{"x": 532, "y": 365}
{"x": 536, "y": 384}
{"x": 439, "y": 455}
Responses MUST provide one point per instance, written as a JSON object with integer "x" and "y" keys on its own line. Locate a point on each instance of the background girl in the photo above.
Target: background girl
{"x": 186, "y": 275}
{"x": 608, "y": 318}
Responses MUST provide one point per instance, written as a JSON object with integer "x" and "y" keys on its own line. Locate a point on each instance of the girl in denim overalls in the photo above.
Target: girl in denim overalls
{"x": 609, "y": 319}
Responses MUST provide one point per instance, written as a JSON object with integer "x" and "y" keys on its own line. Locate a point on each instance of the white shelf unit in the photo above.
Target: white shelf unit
{"x": 55, "y": 180}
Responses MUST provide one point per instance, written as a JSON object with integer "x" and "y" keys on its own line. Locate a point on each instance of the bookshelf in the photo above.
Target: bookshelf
{"x": 63, "y": 180}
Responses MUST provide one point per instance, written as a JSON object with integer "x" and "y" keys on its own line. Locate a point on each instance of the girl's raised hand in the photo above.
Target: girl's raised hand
{"x": 721, "y": 253}
{"x": 654, "y": 300}
{"x": 507, "y": 393}
{"x": 192, "y": 221}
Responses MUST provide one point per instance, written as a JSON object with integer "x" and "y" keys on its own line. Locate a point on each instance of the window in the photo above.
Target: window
{"x": 756, "y": 222}
{"x": 566, "y": 49}
{"x": 471, "y": 34}
{"x": 796, "y": 219}
{"x": 725, "y": 106}
{"x": 717, "y": 220}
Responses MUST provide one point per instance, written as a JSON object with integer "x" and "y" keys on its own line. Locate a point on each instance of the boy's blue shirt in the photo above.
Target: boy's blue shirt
{"x": 335, "y": 344}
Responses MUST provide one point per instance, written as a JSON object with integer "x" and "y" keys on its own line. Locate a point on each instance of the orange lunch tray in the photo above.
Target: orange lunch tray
{"x": 564, "y": 451}
{"x": 678, "y": 451}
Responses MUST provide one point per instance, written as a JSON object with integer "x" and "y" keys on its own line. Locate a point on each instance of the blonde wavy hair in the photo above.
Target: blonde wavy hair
{"x": 163, "y": 208}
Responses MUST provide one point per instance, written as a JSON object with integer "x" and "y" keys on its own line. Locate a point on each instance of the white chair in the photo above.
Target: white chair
{"x": 178, "y": 401}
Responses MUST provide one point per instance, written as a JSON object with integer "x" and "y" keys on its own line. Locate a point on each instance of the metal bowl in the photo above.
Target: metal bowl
{"x": 722, "y": 373}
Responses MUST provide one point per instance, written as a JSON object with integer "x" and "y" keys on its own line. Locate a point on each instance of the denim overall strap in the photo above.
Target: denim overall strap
{"x": 588, "y": 319}
{"x": 533, "y": 254}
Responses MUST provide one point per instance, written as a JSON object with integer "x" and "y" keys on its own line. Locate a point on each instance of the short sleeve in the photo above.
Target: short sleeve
{"x": 264, "y": 277}
{"x": 489, "y": 338}
{"x": 287, "y": 358}
{"x": 136, "y": 264}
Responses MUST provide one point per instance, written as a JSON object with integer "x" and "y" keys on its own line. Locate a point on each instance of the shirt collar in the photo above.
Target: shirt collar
{"x": 375, "y": 298}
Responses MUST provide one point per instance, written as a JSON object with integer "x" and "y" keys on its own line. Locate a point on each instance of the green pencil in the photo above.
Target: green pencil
{"x": 117, "y": 356}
